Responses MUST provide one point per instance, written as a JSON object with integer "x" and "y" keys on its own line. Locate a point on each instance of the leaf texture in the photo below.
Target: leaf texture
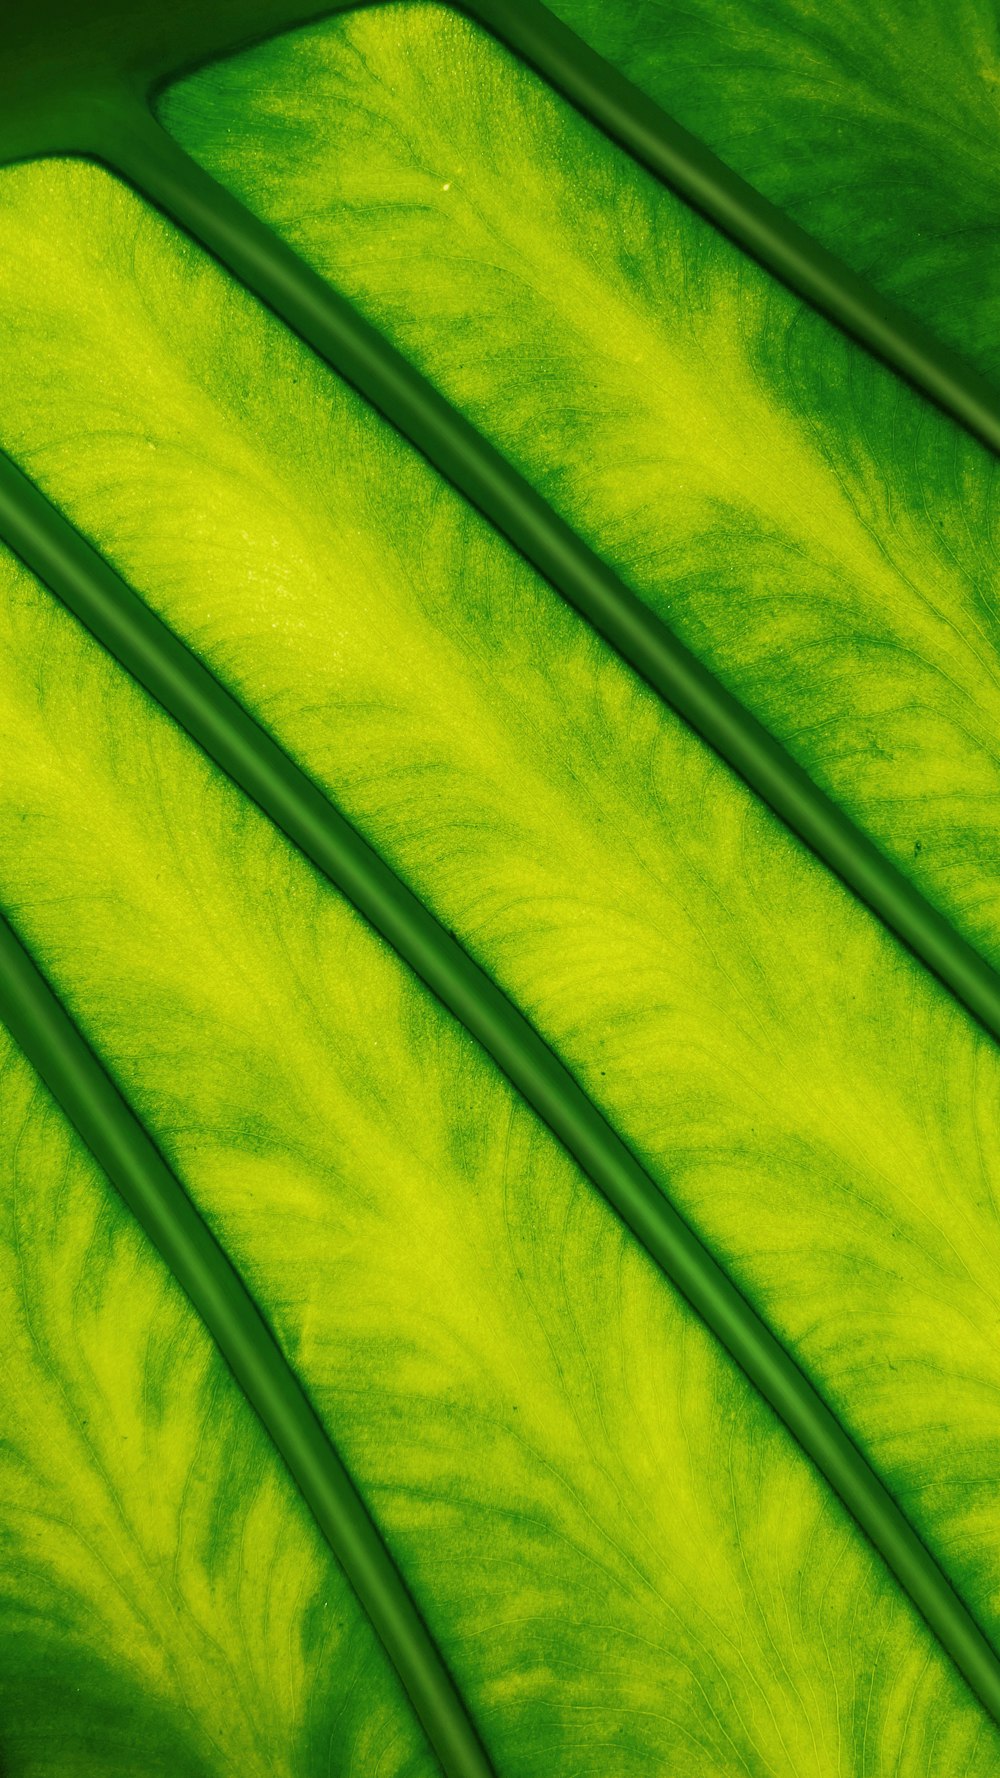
{"x": 875, "y": 127}
{"x": 604, "y": 1546}
{"x": 811, "y": 529}
{"x": 627, "y": 1563}
{"x": 165, "y": 1594}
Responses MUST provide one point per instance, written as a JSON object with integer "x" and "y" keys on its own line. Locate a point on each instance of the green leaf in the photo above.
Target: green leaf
{"x": 874, "y": 127}
{"x": 626, "y": 1561}
{"x": 597, "y": 1539}
{"x": 814, "y": 532}
{"x": 166, "y": 1595}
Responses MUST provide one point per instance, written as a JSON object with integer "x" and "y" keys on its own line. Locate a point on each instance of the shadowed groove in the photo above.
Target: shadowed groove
{"x": 190, "y": 693}
{"x": 111, "y": 1130}
{"x": 162, "y": 172}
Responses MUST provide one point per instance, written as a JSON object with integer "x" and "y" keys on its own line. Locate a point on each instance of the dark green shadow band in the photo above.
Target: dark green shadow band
{"x": 189, "y": 692}
{"x": 153, "y": 162}
{"x": 92, "y": 1103}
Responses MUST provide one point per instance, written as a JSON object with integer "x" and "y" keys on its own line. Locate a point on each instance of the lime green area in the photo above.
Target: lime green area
{"x": 876, "y": 127}
{"x": 814, "y": 531}
{"x": 166, "y": 1603}
{"x": 625, "y": 1563}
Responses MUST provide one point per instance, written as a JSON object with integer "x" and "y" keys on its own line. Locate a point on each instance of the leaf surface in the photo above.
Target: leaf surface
{"x": 165, "y": 1594}
{"x": 875, "y": 127}
{"x": 812, "y": 529}
{"x": 620, "y": 1559}
{"x": 626, "y": 1561}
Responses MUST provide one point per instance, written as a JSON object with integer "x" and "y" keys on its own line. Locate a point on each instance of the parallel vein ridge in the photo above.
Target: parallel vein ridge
{"x": 161, "y": 171}
{"x": 68, "y": 117}
{"x": 190, "y": 693}
{"x": 684, "y": 163}
{"x": 92, "y": 1103}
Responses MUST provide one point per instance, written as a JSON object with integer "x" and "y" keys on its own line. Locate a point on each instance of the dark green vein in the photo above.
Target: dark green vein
{"x": 92, "y": 1103}
{"x": 152, "y": 161}
{"x": 255, "y": 762}
{"x": 684, "y": 163}
{"x": 69, "y": 67}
